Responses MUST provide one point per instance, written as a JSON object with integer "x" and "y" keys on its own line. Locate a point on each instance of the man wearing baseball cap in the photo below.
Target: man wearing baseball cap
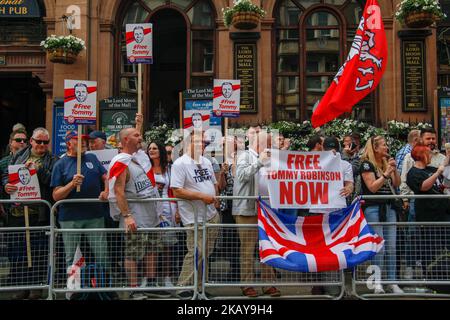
{"x": 97, "y": 141}
{"x": 65, "y": 181}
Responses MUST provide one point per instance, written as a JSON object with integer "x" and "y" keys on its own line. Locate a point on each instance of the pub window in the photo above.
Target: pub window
{"x": 19, "y": 28}
{"x": 310, "y": 48}
{"x": 202, "y": 26}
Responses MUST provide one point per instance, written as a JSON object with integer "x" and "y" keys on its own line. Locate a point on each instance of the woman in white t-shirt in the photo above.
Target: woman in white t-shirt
{"x": 166, "y": 209}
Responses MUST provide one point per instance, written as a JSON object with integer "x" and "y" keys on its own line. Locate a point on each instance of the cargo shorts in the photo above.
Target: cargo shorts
{"x": 138, "y": 244}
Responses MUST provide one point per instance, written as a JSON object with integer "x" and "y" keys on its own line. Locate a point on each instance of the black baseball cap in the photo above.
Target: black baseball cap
{"x": 97, "y": 134}
{"x": 331, "y": 143}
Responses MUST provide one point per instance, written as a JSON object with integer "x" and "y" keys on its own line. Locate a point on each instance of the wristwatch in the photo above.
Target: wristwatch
{"x": 126, "y": 215}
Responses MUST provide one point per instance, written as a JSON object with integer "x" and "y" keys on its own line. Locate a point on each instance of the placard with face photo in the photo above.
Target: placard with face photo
{"x": 139, "y": 43}
{"x": 196, "y": 119}
{"x": 227, "y": 98}
{"x": 80, "y": 101}
{"x": 26, "y": 181}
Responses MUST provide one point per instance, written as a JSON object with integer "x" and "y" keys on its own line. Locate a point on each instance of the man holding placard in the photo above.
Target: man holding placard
{"x": 30, "y": 174}
{"x": 80, "y": 215}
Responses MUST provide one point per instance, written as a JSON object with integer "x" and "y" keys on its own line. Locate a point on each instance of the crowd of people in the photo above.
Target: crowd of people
{"x": 153, "y": 170}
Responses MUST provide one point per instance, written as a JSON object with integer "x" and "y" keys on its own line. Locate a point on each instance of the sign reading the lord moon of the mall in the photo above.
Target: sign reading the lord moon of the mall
{"x": 19, "y": 9}
{"x": 413, "y": 72}
{"x": 245, "y": 70}
{"x": 117, "y": 113}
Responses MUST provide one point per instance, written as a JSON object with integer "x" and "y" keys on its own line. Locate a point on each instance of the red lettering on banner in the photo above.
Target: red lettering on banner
{"x": 319, "y": 192}
{"x": 314, "y": 191}
{"x": 301, "y": 193}
{"x": 300, "y": 162}
{"x": 316, "y": 162}
{"x": 286, "y": 192}
{"x": 81, "y": 106}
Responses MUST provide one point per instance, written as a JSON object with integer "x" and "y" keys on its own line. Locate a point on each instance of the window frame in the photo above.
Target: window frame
{"x": 343, "y": 25}
{"x": 190, "y": 28}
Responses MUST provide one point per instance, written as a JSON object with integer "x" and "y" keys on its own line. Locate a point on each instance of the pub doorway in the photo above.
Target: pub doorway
{"x": 21, "y": 100}
{"x": 168, "y": 72}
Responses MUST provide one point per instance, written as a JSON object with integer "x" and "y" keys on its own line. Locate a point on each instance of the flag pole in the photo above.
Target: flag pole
{"x": 180, "y": 101}
{"x": 140, "y": 90}
{"x": 225, "y": 148}
{"x": 80, "y": 131}
{"x": 27, "y": 237}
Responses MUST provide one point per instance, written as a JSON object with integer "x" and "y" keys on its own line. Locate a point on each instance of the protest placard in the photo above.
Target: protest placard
{"x": 196, "y": 119}
{"x": 227, "y": 98}
{"x": 305, "y": 180}
{"x": 80, "y": 101}
{"x": 26, "y": 181}
{"x": 105, "y": 156}
{"x": 139, "y": 43}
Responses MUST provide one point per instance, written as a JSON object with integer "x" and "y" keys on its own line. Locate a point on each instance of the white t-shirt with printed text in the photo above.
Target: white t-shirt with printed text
{"x": 200, "y": 177}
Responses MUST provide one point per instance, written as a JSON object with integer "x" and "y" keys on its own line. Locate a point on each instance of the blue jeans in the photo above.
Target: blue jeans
{"x": 386, "y": 259}
{"x": 412, "y": 237}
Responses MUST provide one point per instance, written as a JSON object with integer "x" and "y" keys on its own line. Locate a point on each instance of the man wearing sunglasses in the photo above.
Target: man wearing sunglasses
{"x": 35, "y": 156}
{"x": 17, "y": 141}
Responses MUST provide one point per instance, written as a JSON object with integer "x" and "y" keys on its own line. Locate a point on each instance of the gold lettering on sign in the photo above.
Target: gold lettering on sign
{"x": 11, "y": 2}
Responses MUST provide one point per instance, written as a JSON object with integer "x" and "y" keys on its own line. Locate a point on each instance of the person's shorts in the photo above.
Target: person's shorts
{"x": 137, "y": 245}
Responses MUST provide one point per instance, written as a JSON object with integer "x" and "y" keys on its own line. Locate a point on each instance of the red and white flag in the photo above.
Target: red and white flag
{"x": 118, "y": 165}
{"x": 74, "y": 272}
{"x": 361, "y": 72}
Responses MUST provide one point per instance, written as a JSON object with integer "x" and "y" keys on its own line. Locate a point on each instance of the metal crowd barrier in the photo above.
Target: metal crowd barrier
{"x": 228, "y": 277}
{"x": 416, "y": 257}
{"x": 24, "y": 251}
{"x": 421, "y": 256}
{"x": 105, "y": 250}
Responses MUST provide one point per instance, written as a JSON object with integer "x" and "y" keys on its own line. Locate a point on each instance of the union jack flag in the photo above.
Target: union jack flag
{"x": 324, "y": 242}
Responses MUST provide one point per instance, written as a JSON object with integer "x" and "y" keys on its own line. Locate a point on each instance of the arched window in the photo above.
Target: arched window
{"x": 200, "y": 31}
{"x": 312, "y": 40}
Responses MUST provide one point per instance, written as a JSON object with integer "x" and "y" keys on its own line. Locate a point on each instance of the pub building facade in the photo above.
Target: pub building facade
{"x": 285, "y": 64}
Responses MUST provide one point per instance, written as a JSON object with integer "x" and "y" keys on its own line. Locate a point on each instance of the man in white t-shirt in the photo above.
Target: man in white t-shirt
{"x": 192, "y": 178}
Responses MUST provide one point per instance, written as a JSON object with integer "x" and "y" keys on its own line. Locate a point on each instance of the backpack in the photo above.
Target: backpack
{"x": 94, "y": 276}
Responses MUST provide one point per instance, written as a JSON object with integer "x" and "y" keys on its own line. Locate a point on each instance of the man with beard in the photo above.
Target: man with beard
{"x": 428, "y": 138}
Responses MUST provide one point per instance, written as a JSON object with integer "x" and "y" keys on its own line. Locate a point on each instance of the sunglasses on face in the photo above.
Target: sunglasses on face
{"x": 44, "y": 142}
{"x": 19, "y": 140}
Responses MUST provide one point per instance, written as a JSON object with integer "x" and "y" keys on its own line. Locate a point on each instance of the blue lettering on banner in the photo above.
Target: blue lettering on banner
{"x": 199, "y": 105}
{"x": 60, "y": 128}
{"x": 204, "y": 105}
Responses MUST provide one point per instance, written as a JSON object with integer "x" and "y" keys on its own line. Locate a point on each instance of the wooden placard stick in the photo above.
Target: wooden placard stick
{"x": 27, "y": 237}
{"x": 80, "y": 142}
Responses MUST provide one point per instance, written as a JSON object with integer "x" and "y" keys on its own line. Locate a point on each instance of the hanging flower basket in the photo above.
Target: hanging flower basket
{"x": 243, "y": 15}
{"x": 63, "y": 49}
{"x": 61, "y": 56}
{"x": 420, "y": 19}
{"x": 245, "y": 20}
